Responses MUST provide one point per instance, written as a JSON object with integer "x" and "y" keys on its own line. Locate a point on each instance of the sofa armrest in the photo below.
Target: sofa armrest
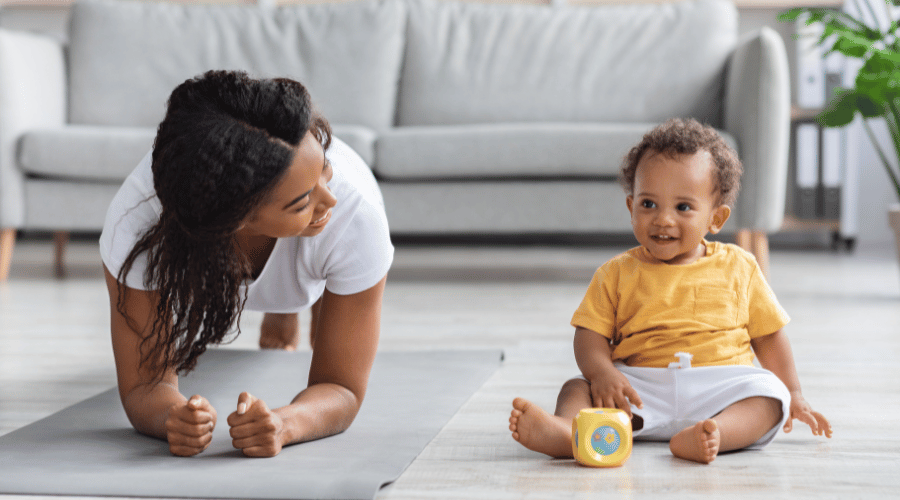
{"x": 757, "y": 114}
{"x": 32, "y": 94}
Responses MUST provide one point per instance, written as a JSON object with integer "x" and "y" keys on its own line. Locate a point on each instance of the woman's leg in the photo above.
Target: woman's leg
{"x": 280, "y": 331}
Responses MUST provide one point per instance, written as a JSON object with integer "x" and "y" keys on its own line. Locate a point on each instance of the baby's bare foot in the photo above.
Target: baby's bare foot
{"x": 540, "y": 431}
{"x": 699, "y": 443}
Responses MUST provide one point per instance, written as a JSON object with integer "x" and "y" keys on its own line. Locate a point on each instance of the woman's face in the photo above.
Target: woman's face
{"x": 300, "y": 203}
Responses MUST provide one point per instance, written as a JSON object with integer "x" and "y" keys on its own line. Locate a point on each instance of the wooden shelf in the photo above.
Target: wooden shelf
{"x": 804, "y": 114}
{"x": 792, "y": 223}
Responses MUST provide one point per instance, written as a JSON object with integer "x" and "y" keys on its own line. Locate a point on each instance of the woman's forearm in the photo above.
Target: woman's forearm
{"x": 147, "y": 407}
{"x": 320, "y": 410}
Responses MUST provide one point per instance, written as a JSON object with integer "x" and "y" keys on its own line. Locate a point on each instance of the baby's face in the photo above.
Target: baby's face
{"x": 675, "y": 205}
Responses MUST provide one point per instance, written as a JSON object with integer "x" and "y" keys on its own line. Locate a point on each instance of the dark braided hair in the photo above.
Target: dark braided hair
{"x": 678, "y": 137}
{"x": 225, "y": 142}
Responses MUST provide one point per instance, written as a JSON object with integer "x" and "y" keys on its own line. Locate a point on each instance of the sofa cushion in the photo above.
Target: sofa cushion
{"x": 523, "y": 150}
{"x": 126, "y": 57}
{"x": 508, "y": 150}
{"x": 516, "y": 207}
{"x": 360, "y": 139}
{"x": 84, "y": 152}
{"x": 87, "y": 152}
{"x": 476, "y": 63}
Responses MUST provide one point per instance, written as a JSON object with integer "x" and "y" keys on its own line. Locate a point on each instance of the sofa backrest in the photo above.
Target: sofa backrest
{"x": 477, "y": 63}
{"x": 126, "y": 57}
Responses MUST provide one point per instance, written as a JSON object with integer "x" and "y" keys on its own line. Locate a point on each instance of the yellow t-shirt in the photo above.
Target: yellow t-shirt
{"x": 710, "y": 308}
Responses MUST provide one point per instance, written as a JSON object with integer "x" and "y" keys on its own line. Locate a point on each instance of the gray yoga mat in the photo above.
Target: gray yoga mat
{"x": 90, "y": 448}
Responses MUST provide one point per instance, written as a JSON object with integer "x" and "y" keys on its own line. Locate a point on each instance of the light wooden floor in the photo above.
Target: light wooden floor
{"x": 54, "y": 351}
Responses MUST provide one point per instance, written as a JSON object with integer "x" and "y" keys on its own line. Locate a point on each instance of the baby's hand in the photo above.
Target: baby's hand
{"x": 189, "y": 426}
{"x": 612, "y": 390}
{"x": 255, "y": 429}
{"x": 801, "y": 410}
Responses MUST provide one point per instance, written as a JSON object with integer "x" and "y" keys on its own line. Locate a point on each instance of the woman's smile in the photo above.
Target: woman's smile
{"x": 321, "y": 221}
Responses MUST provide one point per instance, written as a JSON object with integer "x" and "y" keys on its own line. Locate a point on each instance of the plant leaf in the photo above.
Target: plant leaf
{"x": 851, "y": 46}
{"x": 840, "y": 110}
{"x": 791, "y": 14}
{"x": 869, "y": 108}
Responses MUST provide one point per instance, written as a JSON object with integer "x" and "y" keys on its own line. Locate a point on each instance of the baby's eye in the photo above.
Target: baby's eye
{"x": 683, "y": 207}
{"x": 648, "y": 204}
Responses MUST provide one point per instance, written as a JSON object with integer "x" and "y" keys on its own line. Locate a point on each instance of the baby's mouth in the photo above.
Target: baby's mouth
{"x": 663, "y": 238}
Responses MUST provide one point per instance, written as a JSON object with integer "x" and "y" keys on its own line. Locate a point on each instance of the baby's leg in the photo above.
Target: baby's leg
{"x": 736, "y": 427}
{"x": 539, "y": 431}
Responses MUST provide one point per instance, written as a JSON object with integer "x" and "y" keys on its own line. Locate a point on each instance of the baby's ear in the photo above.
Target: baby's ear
{"x": 719, "y": 217}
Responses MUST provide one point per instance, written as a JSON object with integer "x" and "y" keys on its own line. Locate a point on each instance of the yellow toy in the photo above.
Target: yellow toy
{"x": 601, "y": 437}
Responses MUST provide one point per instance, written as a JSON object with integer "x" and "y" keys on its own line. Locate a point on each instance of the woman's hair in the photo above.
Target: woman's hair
{"x": 225, "y": 142}
{"x": 678, "y": 137}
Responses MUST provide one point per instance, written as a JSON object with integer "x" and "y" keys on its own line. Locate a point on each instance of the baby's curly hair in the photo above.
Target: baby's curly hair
{"x": 678, "y": 137}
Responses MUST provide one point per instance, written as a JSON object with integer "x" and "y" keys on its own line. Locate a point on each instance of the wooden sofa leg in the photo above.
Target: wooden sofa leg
{"x": 757, "y": 243}
{"x": 7, "y": 242}
{"x": 60, "y": 242}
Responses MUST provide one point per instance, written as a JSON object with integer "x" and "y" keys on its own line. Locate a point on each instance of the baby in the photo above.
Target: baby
{"x": 667, "y": 331}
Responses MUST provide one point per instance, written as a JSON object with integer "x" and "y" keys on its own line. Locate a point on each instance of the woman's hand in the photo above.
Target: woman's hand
{"x": 189, "y": 426}
{"x": 801, "y": 411}
{"x": 255, "y": 429}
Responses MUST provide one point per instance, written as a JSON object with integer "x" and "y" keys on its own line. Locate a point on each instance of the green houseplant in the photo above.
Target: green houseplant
{"x": 876, "y": 91}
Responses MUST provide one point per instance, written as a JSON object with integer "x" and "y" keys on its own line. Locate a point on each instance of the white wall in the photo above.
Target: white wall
{"x": 876, "y": 192}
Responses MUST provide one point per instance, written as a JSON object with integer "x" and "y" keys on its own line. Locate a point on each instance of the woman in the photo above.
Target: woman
{"x": 246, "y": 201}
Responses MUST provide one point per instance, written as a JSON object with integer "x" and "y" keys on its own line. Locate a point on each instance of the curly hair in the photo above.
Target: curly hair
{"x": 225, "y": 142}
{"x": 678, "y": 137}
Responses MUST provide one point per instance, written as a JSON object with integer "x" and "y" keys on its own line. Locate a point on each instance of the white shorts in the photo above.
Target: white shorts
{"x": 680, "y": 396}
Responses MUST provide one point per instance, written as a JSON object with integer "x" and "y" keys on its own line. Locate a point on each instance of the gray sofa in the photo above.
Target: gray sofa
{"x": 485, "y": 119}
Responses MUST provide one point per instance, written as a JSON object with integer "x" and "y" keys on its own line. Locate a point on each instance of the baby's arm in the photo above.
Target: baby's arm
{"x": 609, "y": 388}
{"x": 775, "y": 354}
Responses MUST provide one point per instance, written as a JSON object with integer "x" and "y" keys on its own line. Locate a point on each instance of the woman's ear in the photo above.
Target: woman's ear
{"x": 719, "y": 217}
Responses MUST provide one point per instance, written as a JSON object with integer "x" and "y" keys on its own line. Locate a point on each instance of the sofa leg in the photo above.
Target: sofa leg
{"x": 757, "y": 243}
{"x": 60, "y": 242}
{"x": 7, "y": 242}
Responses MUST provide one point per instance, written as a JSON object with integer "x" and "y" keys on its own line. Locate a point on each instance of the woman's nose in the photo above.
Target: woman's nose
{"x": 326, "y": 198}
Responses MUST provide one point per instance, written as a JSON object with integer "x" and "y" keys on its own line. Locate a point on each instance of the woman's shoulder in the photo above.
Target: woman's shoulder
{"x": 358, "y": 230}
{"x": 352, "y": 176}
{"x": 133, "y": 210}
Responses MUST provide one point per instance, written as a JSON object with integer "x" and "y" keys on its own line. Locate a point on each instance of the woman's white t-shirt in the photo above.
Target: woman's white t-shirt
{"x": 351, "y": 254}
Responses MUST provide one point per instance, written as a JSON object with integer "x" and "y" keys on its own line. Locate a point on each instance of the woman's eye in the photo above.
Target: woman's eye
{"x": 298, "y": 210}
